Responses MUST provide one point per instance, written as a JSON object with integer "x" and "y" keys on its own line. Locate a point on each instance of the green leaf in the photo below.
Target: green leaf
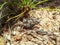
{"x": 32, "y": 4}
{"x": 28, "y": 2}
{"x": 20, "y": 5}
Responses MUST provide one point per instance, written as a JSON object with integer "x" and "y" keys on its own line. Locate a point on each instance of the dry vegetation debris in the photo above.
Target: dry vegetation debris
{"x": 46, "y": 32}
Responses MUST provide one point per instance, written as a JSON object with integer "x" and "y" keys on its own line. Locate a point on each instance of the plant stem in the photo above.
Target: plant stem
{"x": 20, "y": 15}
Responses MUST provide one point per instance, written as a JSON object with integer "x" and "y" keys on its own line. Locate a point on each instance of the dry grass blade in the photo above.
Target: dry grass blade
{"x": 20, "y": 15}
{"x": 41, "y": 2}
{"x": 1, "y": 6}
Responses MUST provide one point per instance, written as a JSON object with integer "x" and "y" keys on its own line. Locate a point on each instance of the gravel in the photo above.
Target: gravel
{"x": 45, "y": 32}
